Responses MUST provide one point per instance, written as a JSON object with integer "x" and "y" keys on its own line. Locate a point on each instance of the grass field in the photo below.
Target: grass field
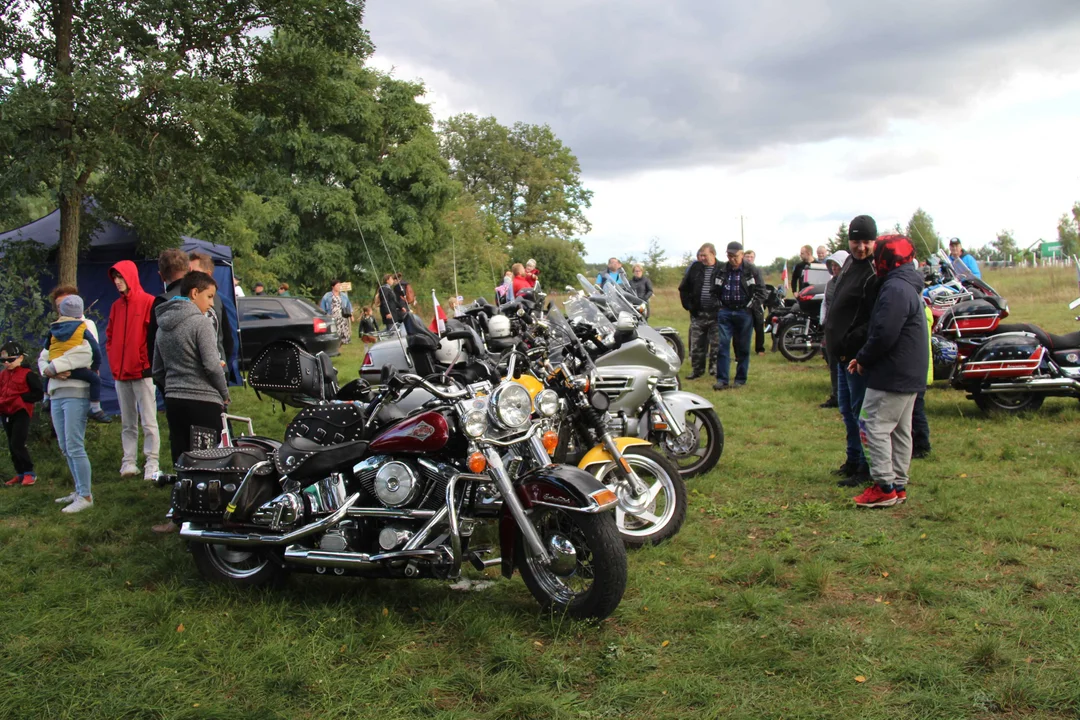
{"x": 777, "y": 599}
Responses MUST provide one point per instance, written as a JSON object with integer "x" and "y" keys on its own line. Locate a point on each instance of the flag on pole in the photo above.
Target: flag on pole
{"x": 783, "y": 275}
{"x": 438, "y": 325}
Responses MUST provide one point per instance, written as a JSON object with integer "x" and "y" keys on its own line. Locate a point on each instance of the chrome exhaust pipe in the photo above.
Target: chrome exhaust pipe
{"x": 1034, "y": 385}
{"x": 300, "y": 555}
{"x": 219, "y": 537}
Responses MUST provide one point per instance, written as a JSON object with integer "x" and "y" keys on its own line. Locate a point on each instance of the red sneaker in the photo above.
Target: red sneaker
{"x": 874, "y": 496}
{"x": 901, "y": 497}
{"x": 28, "y": 480}
{"x": 14, "y": 481}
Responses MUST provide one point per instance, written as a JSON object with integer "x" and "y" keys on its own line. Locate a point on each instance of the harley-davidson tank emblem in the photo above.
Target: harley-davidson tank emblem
{"x": 422, "y": 431}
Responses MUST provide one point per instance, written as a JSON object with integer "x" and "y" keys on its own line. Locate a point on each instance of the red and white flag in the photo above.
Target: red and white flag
{"x": 783, "y": 275}
{"x": 438, "y": 325}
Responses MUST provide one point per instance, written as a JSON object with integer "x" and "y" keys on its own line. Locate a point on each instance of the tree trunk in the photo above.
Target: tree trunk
{"x": 70, "y": 193}
{"x": 68, "y": 256}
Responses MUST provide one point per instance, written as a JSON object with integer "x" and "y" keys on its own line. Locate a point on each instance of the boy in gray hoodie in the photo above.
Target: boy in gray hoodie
{"x": 187, "y": 366}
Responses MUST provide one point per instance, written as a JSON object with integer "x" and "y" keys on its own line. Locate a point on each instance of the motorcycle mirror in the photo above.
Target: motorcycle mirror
{"x": 599, "y": 400}
{"x": 570, "y": 289}
{"x": 625, "y": 323}
{"x": 387, "y": 374}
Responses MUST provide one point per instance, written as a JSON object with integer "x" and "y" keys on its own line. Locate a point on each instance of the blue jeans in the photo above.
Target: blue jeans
{"x": 850, "y": 390}
{"x": 734, "y": 326}
{"x": 69, "y": 419}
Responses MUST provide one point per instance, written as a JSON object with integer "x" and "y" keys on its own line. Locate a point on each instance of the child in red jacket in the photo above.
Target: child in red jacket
{"x": 20, "y": 388}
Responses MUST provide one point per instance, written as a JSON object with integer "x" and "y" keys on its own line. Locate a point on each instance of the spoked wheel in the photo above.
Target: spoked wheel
{"x": 237, "y": 566}
{"x": 1008, "y": 403}
{"x": 700, "y": 446}
{"x": 587, "y": 575}
{"x": 665, "y": 508}
{"x": 797, "y": 343}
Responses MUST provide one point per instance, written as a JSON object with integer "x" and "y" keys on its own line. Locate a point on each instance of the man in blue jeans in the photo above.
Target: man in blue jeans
{"x": 846, "y": 326}
{"x": 737, "y": 286}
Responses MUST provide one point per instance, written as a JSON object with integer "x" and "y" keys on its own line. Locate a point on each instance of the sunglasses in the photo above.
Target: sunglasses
{"x": 8, "y": 360}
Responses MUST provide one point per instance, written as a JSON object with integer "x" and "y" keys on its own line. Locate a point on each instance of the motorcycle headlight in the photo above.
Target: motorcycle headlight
{"x": 511, "y": 404}
{"x": 547, "y": 403}
{"x": 476, "y": 423}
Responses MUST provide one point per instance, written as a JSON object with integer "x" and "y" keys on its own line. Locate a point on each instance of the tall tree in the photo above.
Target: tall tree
{"x": 840, "y": 240}
{"x": 349, "y": 167}
{"x": 524, "y": 175}
{"x": 1069, "y": 231}
{"x": 1005, "y": 244}
{"x": 920, "y": 230}
{"x": 129, "y": 101}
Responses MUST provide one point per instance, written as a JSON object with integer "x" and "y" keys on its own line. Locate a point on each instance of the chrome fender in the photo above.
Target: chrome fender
{"x": 678, "y": 402}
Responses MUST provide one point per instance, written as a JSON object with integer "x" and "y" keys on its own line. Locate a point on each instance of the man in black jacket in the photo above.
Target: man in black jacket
{"x": 737, "y": 286}
{"x": 173, "y": 265}
{"x": 695, "y": 293}
{"x": 894, "y": 362}
{"x": 806, "y": 258}
{"x": 845, "y": 332}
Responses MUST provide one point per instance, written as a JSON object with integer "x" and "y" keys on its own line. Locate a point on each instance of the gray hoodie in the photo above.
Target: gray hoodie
{"x": 186, "y": 361}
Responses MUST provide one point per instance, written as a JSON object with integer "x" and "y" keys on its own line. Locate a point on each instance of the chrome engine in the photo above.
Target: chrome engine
{"x": 398, "y": 483}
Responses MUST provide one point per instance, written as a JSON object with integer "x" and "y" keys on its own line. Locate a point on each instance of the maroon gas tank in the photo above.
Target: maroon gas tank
{"x": 424, "y": 433}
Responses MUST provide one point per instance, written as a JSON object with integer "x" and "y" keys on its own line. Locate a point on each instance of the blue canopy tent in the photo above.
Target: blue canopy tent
{"x": 109, "y": 244}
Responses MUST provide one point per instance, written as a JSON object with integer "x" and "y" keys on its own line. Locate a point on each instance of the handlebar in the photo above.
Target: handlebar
{"x": 415, "y": 381}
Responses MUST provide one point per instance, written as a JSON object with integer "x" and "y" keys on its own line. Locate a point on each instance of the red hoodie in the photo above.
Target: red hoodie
{"x": 125, "y": 337}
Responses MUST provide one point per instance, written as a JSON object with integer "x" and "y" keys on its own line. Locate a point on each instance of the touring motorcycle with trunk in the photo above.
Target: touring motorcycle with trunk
{"x": 359, "y": 487}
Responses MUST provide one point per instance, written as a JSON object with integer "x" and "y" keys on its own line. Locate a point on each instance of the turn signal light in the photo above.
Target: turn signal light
{"x": 604, "y": 497}
{"x": 551, "y": 441}
{"x": 477, "y": 463}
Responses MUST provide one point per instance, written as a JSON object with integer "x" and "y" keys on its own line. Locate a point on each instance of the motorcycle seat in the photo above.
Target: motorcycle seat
{"x": 302, "y": 458}
{"x": 1054, "y": 342}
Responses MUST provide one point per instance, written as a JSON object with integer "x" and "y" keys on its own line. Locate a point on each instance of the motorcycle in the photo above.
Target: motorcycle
{"x": 652, "y": 494}
{"x": 638, "y": 374}
{"x": 800, "y": 334}
{"x": 1014, "y": 370}
{"x": 359, "y": 488}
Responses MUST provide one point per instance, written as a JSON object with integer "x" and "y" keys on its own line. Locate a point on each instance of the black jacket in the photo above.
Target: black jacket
{"x": 797, "y": 276}
{"x": 151, "y": 330}
{"x": 393, "y": 304}
{"x": 753, "y": 286}
{"x": 895, "y": 354}
{"x": 642, "y": 287}
{"x": 690, "y": 287}
{"x": 849, "y": 308}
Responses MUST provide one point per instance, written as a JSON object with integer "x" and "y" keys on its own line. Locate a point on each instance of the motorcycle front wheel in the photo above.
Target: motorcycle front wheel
{"x": 796, "y": 342}
{"x": 587, "y": 577}
{"x": 698, "y": 449}
{"x": 666, "y": 509}
{"x": 676, "y": 344}
{"x": 240, "y": 567}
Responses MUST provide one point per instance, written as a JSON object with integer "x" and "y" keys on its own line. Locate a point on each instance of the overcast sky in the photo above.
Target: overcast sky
{"x": 796, "y": 114}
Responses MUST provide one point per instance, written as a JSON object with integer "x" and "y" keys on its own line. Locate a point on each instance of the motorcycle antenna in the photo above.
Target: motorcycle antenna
{"x": 401, "y": 340}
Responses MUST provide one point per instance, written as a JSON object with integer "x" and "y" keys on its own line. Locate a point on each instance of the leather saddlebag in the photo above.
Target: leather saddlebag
{"x": 208, "y": 484}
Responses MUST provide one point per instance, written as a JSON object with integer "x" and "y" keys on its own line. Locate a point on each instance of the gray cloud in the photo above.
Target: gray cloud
{"x": 633, "y": 85}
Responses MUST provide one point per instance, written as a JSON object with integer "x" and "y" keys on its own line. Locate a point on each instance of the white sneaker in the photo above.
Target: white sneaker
{"x": 68, "y": 498}
{"x": 129, "y": 470}
{"x": 78, "y": 504}
{"x": 149, "y": 473}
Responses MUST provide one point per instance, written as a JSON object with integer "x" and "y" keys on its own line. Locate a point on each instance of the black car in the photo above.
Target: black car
{"x": 265, "y": 319}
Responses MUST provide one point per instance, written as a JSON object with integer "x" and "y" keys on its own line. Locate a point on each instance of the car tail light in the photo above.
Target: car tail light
{"x": 368, "y": 362}
{"x": 320, "y": 326}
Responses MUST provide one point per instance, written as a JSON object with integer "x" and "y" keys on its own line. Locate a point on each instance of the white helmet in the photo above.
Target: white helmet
{"x": 449, "y": 351}
{"x": 498, "y": 326}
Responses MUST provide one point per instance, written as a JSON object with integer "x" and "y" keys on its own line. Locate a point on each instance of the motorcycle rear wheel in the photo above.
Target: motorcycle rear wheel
{"x": 587, "y": 583}
{"x": 1017, "y": 403}
{"x": 793, "y": 341}
{"x": 666, "y": 512}
{"x": 701, "y": 457}
{"x": 676, "y": 344}
{"x": 240, "y": 567}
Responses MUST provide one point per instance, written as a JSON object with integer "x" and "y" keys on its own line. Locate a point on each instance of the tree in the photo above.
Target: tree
{"x": 523, "y": 175}
{"x": 1005, "y": 244}
{"x": 1068, "y": 227}
{"x": 130, "y": 101}
{"x": 840, "y": 240}
{"x": 654, "y": 256}
{"x": 920, "y": 230}
{"x": 557, "y": 258}
{"x": 349, "y": 180}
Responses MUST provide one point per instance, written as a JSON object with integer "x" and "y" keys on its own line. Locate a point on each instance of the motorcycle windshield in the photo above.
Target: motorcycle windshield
{"x": 567, "y": 339}
{"x": 578, "y": 307}
{"x": 587, "y": 285}
{"x": 619, "y": 302}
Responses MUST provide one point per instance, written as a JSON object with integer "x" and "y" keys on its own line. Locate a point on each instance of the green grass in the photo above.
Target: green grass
{"x": 773, "y": 599}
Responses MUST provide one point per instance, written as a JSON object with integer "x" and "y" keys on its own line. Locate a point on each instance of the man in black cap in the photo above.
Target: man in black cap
{"x": 845, "y": 333}
{"x": 737, "y": 286}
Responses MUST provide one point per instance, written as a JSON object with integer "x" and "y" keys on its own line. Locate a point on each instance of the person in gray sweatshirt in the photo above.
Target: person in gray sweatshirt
{"x": 187, "y": 366}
